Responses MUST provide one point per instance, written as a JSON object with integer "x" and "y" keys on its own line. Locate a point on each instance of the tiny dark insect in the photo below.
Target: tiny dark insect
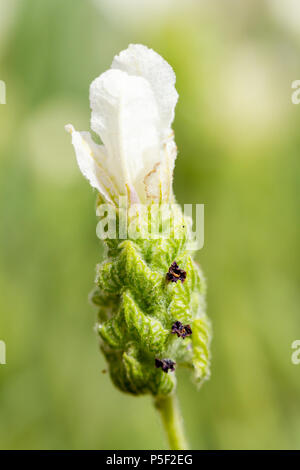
{"x": 181, "y": 330}
{"x": 165, "y": 364}
{"x": 175, "y": 273}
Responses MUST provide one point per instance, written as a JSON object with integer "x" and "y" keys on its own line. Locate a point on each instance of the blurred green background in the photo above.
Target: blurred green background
{"x": 239, "y": 143}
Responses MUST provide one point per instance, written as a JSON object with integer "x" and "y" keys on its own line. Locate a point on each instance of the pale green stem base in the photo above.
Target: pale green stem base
{"x": 172, "y": 421}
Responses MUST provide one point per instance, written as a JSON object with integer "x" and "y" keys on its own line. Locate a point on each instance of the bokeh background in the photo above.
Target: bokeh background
{"x": 238, "y": 135}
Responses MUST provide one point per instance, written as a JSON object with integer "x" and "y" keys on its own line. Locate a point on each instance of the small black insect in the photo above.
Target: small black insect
{"x": 175, "y": 273}
{"x": 181, "y": 330}
{"x": 165, "y": 364}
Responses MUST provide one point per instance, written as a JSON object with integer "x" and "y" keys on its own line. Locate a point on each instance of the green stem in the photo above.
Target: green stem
{"x": 172, "y": 421}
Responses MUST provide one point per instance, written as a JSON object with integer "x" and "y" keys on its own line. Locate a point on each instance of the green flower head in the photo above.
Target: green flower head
{"x": 149, "y": 292}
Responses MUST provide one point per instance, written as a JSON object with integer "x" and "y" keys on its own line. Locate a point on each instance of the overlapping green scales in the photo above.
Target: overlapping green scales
{"x": 138, "y": 306}
{"x": 148, "y": 331}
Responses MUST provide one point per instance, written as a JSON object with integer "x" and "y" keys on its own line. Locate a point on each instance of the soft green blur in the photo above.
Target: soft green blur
{"x": 238, "y": 136}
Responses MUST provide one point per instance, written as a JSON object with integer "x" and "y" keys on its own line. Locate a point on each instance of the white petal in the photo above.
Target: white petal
{"x": 158, "y": 182}
{"x": 91, "y": 160}
{"x": 138, "y": 60}
{"x": 125, "y": 116}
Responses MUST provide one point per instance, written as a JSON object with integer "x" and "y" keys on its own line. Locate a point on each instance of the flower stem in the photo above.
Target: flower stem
{"x": 172, "y": 421}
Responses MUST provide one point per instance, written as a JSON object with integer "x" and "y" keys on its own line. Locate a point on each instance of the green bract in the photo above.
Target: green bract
{"x": 137, "y": 307}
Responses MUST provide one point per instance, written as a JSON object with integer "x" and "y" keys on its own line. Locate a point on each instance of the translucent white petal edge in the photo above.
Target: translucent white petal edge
{"x": 141, "y": 61}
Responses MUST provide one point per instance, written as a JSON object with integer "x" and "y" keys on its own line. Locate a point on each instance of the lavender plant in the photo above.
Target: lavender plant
{"x": 149, "y": 292}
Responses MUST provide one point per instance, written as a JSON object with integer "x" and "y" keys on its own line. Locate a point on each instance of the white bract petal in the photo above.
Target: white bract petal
{"x": 158, "y": 183}
{"x": 125, "y": 116}
{"x": 91, "y": 160}
{"x": 138, "y": 60}
{"x": 132, "y": 111}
